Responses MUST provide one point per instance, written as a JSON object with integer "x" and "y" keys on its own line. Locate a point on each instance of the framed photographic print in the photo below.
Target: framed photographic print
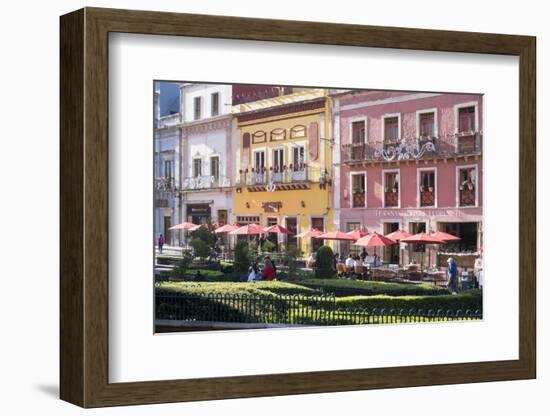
{"x": 253, "y": 207}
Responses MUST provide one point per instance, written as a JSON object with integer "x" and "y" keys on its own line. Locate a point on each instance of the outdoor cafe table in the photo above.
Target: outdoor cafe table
{"x": 433, "y": 276}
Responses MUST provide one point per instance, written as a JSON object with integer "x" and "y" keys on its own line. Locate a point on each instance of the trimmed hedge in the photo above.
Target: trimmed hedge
{"x": 369, "y": 288}
{"x": 471, "y": 300}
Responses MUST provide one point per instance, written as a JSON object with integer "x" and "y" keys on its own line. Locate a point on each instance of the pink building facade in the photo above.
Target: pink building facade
{"x": 409, "y": 161}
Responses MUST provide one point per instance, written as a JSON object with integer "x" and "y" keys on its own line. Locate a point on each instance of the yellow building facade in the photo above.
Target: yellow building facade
{"x": 283, "y": 160}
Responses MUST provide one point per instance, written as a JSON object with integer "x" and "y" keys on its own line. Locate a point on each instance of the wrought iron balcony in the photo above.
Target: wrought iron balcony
{"x": 164, "y": 184}
{"x": 205, "y": 182}
{"x": 460, "y": 144}
{"x": 278, "y": 178}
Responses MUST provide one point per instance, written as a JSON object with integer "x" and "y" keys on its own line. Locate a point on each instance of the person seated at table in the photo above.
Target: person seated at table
{"x": 268, "y": 272}
{"x": 376, "y": 261}
{"x": 359, "y": 260}
{"x": 350, "y": 263}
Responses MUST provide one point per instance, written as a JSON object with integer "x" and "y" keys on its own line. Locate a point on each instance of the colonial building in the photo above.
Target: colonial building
{"x": 410, "y": 161}
{"x": 205, "y": 193}
{"x": 283, "y": 160}
{"x": 166, "y": 140}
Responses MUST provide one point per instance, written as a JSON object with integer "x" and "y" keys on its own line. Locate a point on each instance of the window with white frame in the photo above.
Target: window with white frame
{"x": 197, "y": 167}
{"x": 391, "y": 130}
{"x": 215, "y": 104}
{"x": 426, "y": 188}
{"x": 358, "y": 190}
{"x": 391, "y": 189}
{"x": 197, "y": 110}
{"x": 467, "y": 186}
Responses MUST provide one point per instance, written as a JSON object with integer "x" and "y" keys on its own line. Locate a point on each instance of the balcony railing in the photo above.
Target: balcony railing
{"x": 205, "y": 182}
{"x": 164, "y": 184}
{"x": 391, "y": 198}
{"x": 358, "y": 199}
{"x": 460, "y": 144}
{"x": 467, "y": 197}
{"x": 302, "y": 174}
{"x": 427, "y": 198}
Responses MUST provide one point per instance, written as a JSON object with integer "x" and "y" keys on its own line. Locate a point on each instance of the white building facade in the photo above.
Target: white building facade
{"x": 205, "y": 165}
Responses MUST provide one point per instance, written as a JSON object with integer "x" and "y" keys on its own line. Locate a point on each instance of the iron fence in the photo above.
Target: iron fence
{"x": 287, "y": 310}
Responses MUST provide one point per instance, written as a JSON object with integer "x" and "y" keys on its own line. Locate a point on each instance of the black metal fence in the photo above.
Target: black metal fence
{"x": 287, "y": 310}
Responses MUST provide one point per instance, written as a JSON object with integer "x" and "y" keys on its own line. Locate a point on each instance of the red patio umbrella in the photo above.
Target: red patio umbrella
{"x": 226, "y": 228}
{"x": 310, "y": 233}
{"x": 183, "y": 226}
{"x": 357, "y": 234}
{"x": 398, "y": 235}
{"x": 277, "y": 229}
{"x": 422, "y": 238}
{"x": 440, "y": 235}
{"x": 248, "y": 229}
{"x": 374, "y": 240}
{"x": 335, "y": 235}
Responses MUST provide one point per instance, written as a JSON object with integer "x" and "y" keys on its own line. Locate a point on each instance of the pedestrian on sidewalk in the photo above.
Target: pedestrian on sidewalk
{"x": 160, "y": 243}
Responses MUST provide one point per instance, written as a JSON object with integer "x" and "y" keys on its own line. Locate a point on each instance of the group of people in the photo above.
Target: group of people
{"x": 353, "y": 260}
{"x": 269, "y": 271}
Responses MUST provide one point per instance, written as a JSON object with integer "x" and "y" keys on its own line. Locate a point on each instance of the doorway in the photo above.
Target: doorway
{"x": 167, "y": 225}
{"x": 391, "y": 253}
{"x": 292, "y": 227}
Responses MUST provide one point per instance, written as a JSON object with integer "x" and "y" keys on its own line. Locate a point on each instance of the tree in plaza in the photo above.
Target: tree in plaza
{"x": 203, "y": 241}
{"x": 242, "y": 259}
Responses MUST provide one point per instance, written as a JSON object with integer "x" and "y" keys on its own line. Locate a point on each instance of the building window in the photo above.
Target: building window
{"x": 298, "y": 170}
{"x": 277, "y": 164}
{"x": 426, "y": 125}
{"x": 298, "y": 157}
{"x": 222, "y": 217}
{"x": 197, "y": 168}
{"x": 466, "y": 119}
{"x": 358, "y": 140}
{"x": 427, "y": 188}
{"x": 197, "y": 101}
{"x": 215, "y": 104}
{"x": 391, "y": 130}
{"x": 391, "y": 189}
{"x": 467, "y": 185}
{"x": 215, "y": 168}
{"x": 168, "y": 169}
{"x": 358, "y": 187}
{"x": 358, "y": 132}
{"x": 259, "y": 161}
{"x": 241, "y": 220}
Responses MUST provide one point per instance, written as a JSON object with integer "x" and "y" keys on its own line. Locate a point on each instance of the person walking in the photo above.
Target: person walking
{"x": 452, "y": 273}
{"x": 160, "y": 243}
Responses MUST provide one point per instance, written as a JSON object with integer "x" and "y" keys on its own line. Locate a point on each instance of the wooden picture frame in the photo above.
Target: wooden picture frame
{"x": 84, "y": 207}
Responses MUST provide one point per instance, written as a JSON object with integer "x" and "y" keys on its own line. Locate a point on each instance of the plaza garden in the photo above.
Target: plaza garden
{"x": 195, "y": 289}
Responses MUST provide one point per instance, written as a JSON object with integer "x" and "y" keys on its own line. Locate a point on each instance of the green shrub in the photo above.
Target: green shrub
{"x": 242, "y": 261}
{"x": 469, "y": 301}
{"x": 344, "y": 287}
{"x": 226, "y": 267}
{"x": 290, "y": 261}
{"x": 181, "y": 267}
{"x": 323, "y": 263}
{"x": 269, "y": 246}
